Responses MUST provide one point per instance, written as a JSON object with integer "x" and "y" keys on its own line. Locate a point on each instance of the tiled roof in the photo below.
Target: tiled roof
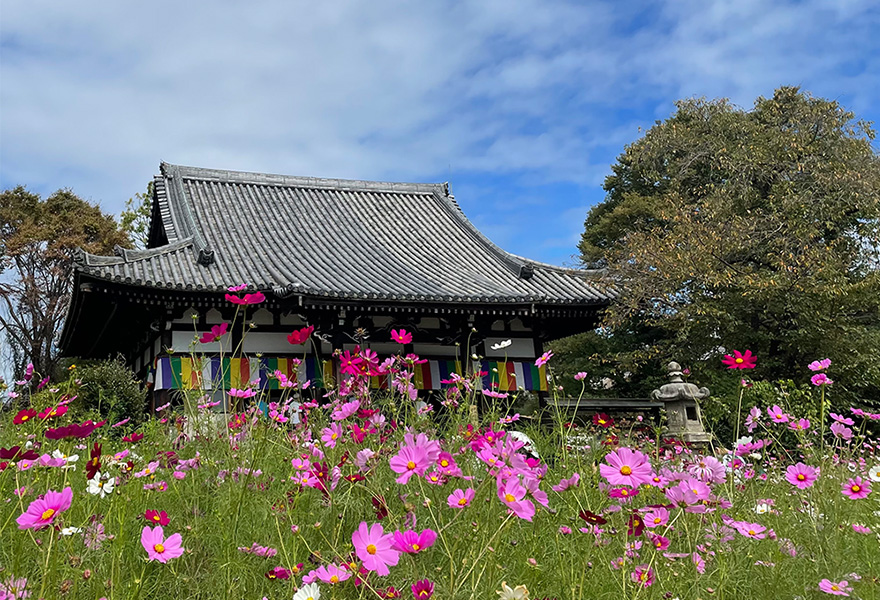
{"x": 330, "y": 238}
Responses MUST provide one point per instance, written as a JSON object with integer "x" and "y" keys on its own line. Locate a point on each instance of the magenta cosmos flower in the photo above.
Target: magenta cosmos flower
{"x": 643, "y": 575}
{"x": 401, "y": 337}
{"x": 819, "y": 365}
{"x": 412, "y": 543}
{"x": 856, "y": 488}
{"x": 626, "y": 467}
{"x": 422, "y": 589}
{"x": 840, "y": 588}
{"x": 801, "y": 476}
{"x": 375, "y": 548}
{"x": 248, "y": 299}
{"x": 42, "y": 511}
{"x": 513, "y": 495}
{"x": 821, "y": 379}
{"x": 739, "y": 360}
{"x": 461, "y": 498}
{"x": 544, "y": 359}
{"x": 750, "y": 530}
{"x": 157, "y": 547}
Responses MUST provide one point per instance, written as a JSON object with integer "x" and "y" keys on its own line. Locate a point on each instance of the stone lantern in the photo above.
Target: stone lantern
{"x": 684, "y": 420}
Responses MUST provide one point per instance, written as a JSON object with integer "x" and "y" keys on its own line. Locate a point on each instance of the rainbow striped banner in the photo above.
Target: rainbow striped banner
{"x": 209, "y": 372}
{"x": 511, "y": 375}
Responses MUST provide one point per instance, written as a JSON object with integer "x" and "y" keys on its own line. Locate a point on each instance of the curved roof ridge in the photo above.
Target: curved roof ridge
{"x": 225, "y": 176}
{"x": 81, "y": 258}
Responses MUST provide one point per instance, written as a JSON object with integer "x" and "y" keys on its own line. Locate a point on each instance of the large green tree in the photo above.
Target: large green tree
{"x": 728, "y": 228}
{"x": 37, "y": 240}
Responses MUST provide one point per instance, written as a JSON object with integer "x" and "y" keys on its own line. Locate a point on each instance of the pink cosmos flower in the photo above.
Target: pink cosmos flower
{"x": 753, "y": 418}
{"x": 14, "y": 589}
{"x": 841, "y": 419}
{"x": 346, "y": 410}
{"x": 409, "y": 460}
{"x": 580, "y": 376}
{"x": 643, "y": 575}
{"x": 777, "y": 415}
{"x": 564, "y": 484}
{"x": 855, "y": 489}
{"x": 237, "y": 288}
{"x": 821, "y": 379}
{"x": 841, "y": 431}
{"x": 819, "y": 365}
{"x": 840, "y": 588}
{"x": 544, "y": 359}
{"x": 739, "y": 360}
{"x": 329, "y": 435}
{"x": 658, "y": 541}
{"x": 43, "y": 511}
{"x": 657, "y": 517}
{"x": 801, "y": 476}
{"x": 707, "y": 469}
{"x": 331, "y": 574}
{"x": 799, "y": 425}
{"x": 422, "y": 589}
{"x": 402, "y": 336}
{"x": 513, "y": 495}
{"x": 157, "y": 547}
{"x": 861, "y": 529}
{"x": 626, "y": 467}
{"x": 412, "y": 543}
{"x": 236, "y": 393}
{"x": 750, "y": 530}
{"x": 300, "y": 336}
{"x": 461, "y": 498}
{"x": 375, "y": 548}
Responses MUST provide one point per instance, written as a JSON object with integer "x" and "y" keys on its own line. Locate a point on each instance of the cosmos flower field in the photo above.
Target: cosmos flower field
{"x": 366, "y": 494}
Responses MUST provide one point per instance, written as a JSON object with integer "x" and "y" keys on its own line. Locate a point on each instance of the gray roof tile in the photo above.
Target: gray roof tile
{"x": 331, "y": 238}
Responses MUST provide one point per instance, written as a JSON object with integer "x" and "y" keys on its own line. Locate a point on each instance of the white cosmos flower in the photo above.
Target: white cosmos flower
{"x": 308, "y": 592}
{"x": 874, "y": 473}
{"x": 71, "y": 530}
{"x": 96, "y": 487}
{"x": 518, "y": 593}
{"x": 763, "y": 508}
{"x": 501, "y": 345}
{"x": 69, "y": 460}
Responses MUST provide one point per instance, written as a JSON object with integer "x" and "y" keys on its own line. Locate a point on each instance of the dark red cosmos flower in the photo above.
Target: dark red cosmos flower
{"x": 81, "y": 431}
{"x": 24, "y": 415}
{"x": 592, "y": 518}
{"x": 354, "y": 477}
{"x": 156, "y": 517}
{"x": 94, "y": 464}
{"x": 16, "y": 453}
{"x": 602, "y": 420}
{"x": 300, "y": 335}
{"x": 255, "y": 298}
{"x": 389, "y": 592}
{"x": 635, "y": 525}
{"x": 278, "y": 573}
{"x": 133, "y": 437}
{"x": 380, "y": 507}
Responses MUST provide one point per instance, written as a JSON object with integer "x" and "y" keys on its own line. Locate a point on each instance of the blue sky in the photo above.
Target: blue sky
{"x": 522, "y": 105}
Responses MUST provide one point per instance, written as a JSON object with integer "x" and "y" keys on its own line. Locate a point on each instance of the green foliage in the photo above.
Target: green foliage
{"x": 37, "y": 241}
{"x": 110, "y": 390}
{"x": 135, "y": 219}
{"x": 755, "y": 229}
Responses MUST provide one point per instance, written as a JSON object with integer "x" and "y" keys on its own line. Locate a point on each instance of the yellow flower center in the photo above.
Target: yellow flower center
{"x": 624, "y": 493}
{"x": 333, "y": 436}
{"x": 47, "y": 514}
{"x": 738, "y": 361}
{"x": 657, "y": 520}
{"x": 371, "y": 549}
{"x": 25, "y": 418}
{"x": 509, "y": 497}
{"x": 834, "y": 587}
{"x": 95, "y": 461}
{"x": 801, "y": 477}
{"x": 602, "y": 421}
{"x": 751, "y": 532}
{"x": 334, "y": 579}
{"x": 462, "y": 501}
{"x": 159, "y": 548}
{"x": 410, "y": 465}
{"x": 147, "y": 471}
{"x": 444, "y": 463}
{"x": 53, "y": 413}
{"x": 856, "y": 488}
{"x": 626, "y": 470}
{"x": 416, "y": 547}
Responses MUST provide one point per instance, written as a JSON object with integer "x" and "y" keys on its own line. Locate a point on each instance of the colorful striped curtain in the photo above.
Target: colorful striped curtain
{"x": 206, "y": 373}
{"x": 511, "y": 375}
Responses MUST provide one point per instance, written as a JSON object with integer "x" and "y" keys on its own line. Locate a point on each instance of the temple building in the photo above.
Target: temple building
{"x": 354, "y": 259}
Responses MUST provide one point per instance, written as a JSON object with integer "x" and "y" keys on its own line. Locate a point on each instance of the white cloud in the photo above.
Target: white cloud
{"x": 525, "y": 93}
